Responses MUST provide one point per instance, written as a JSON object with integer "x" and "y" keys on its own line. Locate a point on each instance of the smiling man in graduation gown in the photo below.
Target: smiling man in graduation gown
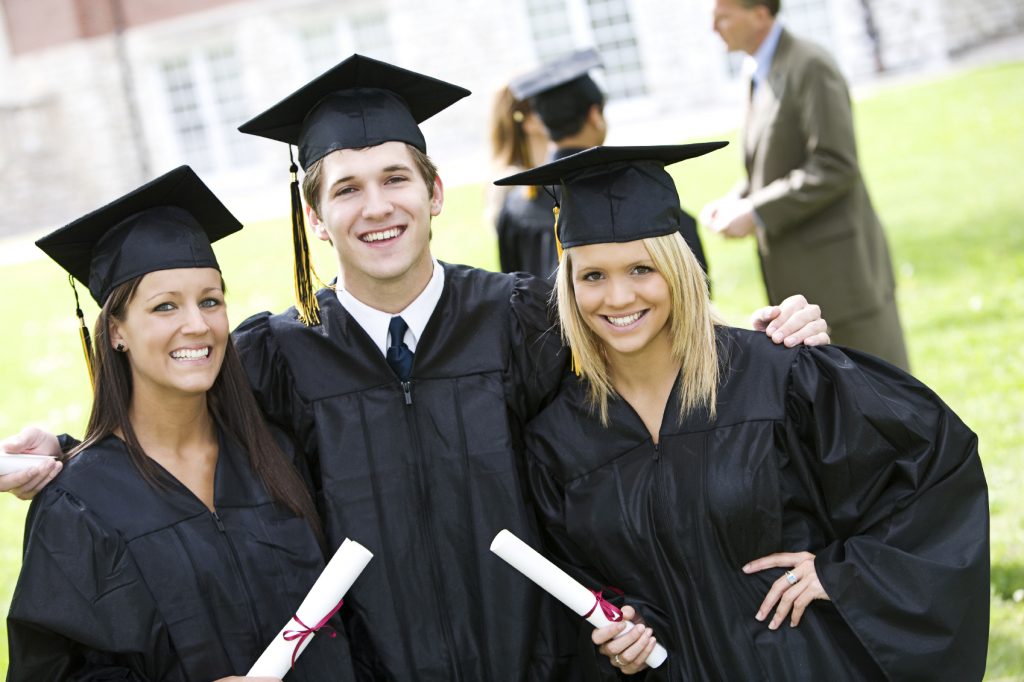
{"x": 409, "y": 394}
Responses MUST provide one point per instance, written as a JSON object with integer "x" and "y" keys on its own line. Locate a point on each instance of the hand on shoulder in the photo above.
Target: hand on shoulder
{"x": 27, "y": 483}
{"x": 792, "y": 322}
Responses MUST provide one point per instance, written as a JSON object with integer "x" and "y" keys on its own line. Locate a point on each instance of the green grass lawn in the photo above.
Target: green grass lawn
{"x": 941, "y": 161}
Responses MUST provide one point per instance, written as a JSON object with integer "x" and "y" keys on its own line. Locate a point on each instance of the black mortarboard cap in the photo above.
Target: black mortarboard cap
{"x": 561, "y": 91}
{"x": 361, "y": 102}
{"x": 614, "y": 194}
{"x": 555, "y": 73}
{"x": 166, "y": 223}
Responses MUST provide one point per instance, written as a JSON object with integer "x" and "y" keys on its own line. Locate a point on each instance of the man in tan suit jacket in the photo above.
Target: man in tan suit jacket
{"x": 804, "y": 198}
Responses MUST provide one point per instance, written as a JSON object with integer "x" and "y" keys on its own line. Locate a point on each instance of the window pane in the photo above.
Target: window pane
{"x": 231, "y": 108}
{"x": 373, "y": 36}
{"x": 186, "y": 118}
{"x": 549, "y": 27}
{"x": 616, "y": 41}
{"x": 320, "y": 47}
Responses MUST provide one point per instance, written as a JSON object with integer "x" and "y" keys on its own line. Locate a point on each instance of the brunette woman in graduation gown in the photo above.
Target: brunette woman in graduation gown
{"x": 769, "y": 513}
{"x": 179, "y": 538}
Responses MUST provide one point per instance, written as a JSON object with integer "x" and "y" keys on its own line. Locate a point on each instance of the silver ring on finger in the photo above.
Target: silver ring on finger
{"x": 618, "y": 661}
{"x": 791, "y": 577}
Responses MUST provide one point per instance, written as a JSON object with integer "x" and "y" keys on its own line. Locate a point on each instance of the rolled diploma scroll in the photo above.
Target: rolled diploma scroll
{"x": 342, "y": 570}
{"x": 560, "y": 585}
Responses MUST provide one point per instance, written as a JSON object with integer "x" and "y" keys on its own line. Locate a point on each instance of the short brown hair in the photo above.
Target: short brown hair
{"x": 771, "y": 5}
{"x": 313, "y": 176}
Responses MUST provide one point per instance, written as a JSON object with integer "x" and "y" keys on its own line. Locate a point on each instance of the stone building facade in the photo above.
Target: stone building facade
{"x": 96, "y": 96}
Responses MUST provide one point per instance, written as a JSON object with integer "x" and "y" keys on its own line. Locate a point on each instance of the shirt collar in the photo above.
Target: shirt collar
{"x": 375, "y": 322}
{"x": 762, "y": 58}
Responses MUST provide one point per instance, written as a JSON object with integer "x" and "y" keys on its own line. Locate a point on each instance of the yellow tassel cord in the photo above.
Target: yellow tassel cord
{"x": 558, "y": 242}
{"x": 305, "y": 295}
{"x": 83, "y": 335}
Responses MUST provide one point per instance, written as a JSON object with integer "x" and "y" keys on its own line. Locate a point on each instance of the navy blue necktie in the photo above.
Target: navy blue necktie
{"x": 399, "y": 356}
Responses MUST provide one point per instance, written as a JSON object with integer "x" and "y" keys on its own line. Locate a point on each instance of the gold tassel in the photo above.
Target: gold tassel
{"x": 84, "y": 337}
{"x": 558, "y": 242}
{"x": 305, "y": 295}
{"x": 575, "y": 361}
{"x": 531, "y": 192}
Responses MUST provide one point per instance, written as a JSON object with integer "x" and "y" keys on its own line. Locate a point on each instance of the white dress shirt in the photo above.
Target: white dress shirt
{"x": 375, "y": 322}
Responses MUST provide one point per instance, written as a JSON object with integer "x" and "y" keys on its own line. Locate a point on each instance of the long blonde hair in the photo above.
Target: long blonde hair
{"x": 691, "y": 322}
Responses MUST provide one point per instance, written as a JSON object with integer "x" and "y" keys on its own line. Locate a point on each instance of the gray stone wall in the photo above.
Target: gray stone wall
{"x": 67, "y": 143}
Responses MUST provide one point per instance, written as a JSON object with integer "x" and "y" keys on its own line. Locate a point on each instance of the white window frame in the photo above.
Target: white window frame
{"x": 224, "y": 147}
{"x": 581, "y": 33}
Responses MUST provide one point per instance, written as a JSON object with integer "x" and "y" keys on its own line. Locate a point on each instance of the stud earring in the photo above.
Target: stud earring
{"x": 119, "y": 348}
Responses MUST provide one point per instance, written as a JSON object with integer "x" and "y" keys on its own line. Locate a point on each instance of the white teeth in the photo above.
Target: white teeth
{"x": 626, "y": 320}
{"x": 383, "y": 234}
{"x": 190, "y": 354}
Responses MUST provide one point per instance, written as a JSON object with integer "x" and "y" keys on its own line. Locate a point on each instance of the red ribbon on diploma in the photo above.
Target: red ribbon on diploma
{"x": 306, "y": 632}
{"x": 611, "y": 611}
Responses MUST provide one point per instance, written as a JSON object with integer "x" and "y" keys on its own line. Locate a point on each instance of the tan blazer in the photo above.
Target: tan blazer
{"x": 820, "y": 235}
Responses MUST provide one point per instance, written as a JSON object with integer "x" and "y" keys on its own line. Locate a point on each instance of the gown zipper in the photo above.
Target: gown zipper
{"x": 426, "y": 525}
{"x": 237, "y": 565}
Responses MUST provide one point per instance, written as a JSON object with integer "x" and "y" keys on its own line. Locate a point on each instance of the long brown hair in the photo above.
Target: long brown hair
{"x": 510, "y": 144}
{"x": 230, "y": 401}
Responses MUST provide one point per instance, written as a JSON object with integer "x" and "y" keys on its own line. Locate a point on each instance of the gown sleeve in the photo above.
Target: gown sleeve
{"x": 899, "y": 479}
{"x": 273, "y": 383}
{"x": 80, "y": 610}
{"x": 538, "y": 360}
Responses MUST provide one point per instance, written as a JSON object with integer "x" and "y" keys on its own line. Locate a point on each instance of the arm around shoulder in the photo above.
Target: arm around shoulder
{"x": 538, "y": 359}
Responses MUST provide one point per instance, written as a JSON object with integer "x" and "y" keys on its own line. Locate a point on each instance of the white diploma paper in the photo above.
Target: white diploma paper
{"x": 342, "y": 570}
{"x": 10, "y": 463}
{"x": 560, "y": 585}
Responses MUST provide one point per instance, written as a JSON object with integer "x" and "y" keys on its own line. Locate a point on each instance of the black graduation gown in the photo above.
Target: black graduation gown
{"x": 825, "y": 450}
{"x": 425, "y": 475}
{"x": 121, "y": 581}
{"x": 526, "y": 230}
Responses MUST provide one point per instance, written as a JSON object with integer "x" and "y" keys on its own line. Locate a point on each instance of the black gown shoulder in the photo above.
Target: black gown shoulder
{"x": 121, "y": 580}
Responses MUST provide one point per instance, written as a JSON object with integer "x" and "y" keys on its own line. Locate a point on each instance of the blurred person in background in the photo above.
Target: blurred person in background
{"x": 570, "y": 104}
{"x": 804, "y": 196}
{"x": 519, "y": 142}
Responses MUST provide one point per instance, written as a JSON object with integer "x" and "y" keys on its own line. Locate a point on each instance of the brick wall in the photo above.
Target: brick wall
{"x": 40, "y": 24}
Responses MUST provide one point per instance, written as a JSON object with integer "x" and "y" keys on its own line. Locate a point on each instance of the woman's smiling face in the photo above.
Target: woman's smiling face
{"x": 175, "y": 331}
{"x": 621, "y": 296}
